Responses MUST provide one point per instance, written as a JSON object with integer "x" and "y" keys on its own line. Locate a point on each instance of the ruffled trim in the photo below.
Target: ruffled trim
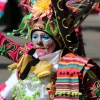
{"x": 32, "y": 88}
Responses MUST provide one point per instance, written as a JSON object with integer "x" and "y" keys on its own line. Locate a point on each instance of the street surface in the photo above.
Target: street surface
{"x": 91, "y": 34}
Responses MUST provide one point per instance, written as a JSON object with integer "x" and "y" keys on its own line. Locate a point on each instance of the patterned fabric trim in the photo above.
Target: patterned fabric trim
{"x": 21, "y": 90}
{"x": 70, "y": 73}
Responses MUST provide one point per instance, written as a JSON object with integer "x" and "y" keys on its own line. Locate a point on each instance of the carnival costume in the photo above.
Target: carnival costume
{"x": 61, "y": 75}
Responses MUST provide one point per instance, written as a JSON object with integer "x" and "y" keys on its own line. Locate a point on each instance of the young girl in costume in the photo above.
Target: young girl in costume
{"x": 48, "y": 67}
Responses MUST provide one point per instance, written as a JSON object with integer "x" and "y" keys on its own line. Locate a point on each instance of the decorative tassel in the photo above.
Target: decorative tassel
{"x": 74, "y": 94}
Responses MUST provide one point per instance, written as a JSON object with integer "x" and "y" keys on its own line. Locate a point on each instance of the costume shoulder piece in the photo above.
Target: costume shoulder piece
{"x": 70, "y": 75}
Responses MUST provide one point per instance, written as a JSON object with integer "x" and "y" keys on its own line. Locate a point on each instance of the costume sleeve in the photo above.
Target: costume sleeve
{"x": 92, "y": 83}
{"x": 11, "y": 49}
{"x": 5, "y": 88}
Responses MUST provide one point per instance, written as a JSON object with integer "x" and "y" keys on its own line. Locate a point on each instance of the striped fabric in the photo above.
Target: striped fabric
{"x": 69, "y": 77}
{"x": 2, "y": 7}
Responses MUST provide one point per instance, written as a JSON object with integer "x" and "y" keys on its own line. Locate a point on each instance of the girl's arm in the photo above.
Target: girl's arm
{"x": 11, "y": 49}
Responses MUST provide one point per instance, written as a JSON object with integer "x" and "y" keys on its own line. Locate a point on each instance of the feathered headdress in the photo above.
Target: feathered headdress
{"x": 59, "y": 18}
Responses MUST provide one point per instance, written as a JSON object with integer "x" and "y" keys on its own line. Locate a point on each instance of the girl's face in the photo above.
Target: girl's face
{"x": 43, "y": 43}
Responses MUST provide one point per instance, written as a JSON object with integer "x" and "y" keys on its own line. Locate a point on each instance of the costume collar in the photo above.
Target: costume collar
{"x": 53, "y": 57}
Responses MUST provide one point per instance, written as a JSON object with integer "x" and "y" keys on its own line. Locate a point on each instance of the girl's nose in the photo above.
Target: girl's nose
{"x": 40, "y": 42}
{"x": 39, "y": 39}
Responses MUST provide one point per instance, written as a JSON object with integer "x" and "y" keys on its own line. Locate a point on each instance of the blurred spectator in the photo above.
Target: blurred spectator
{"x": 13, "y": 15}
{"x": 2, "y": 7}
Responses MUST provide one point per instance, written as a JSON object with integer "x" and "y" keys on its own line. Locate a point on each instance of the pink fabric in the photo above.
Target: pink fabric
{"x": 29, "y": 46}
{"x": 65, "y": 99}
{"x": 2, "y": 86}
{"x": 97, "y": 9}
{"x": 2, "y": 6}
{"x": 2, "y": 3}
{"x": 1, "y": 98}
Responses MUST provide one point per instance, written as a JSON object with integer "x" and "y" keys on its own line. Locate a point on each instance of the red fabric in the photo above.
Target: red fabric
{"x": 2, "y": 6}
{"x": 96, "y": 8}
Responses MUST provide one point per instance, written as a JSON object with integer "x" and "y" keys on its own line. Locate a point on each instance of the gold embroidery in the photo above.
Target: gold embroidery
{"x": 71, "y": 48}
{"x": 63, "y": 23}
{"x": 61, "y": 9}
{"x": 62, "y": 39}
{"x": 67, "y": 38}
{"x": 58, "y": 40}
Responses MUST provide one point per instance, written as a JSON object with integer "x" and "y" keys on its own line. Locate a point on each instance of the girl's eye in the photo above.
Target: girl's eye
{"x": 46, "y": 37}
{"x": 34, "y": 37}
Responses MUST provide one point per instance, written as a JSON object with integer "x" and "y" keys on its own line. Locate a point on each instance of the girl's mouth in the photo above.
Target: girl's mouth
{"x": 40, "y": 48}
{"x": 40, "y": 51}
